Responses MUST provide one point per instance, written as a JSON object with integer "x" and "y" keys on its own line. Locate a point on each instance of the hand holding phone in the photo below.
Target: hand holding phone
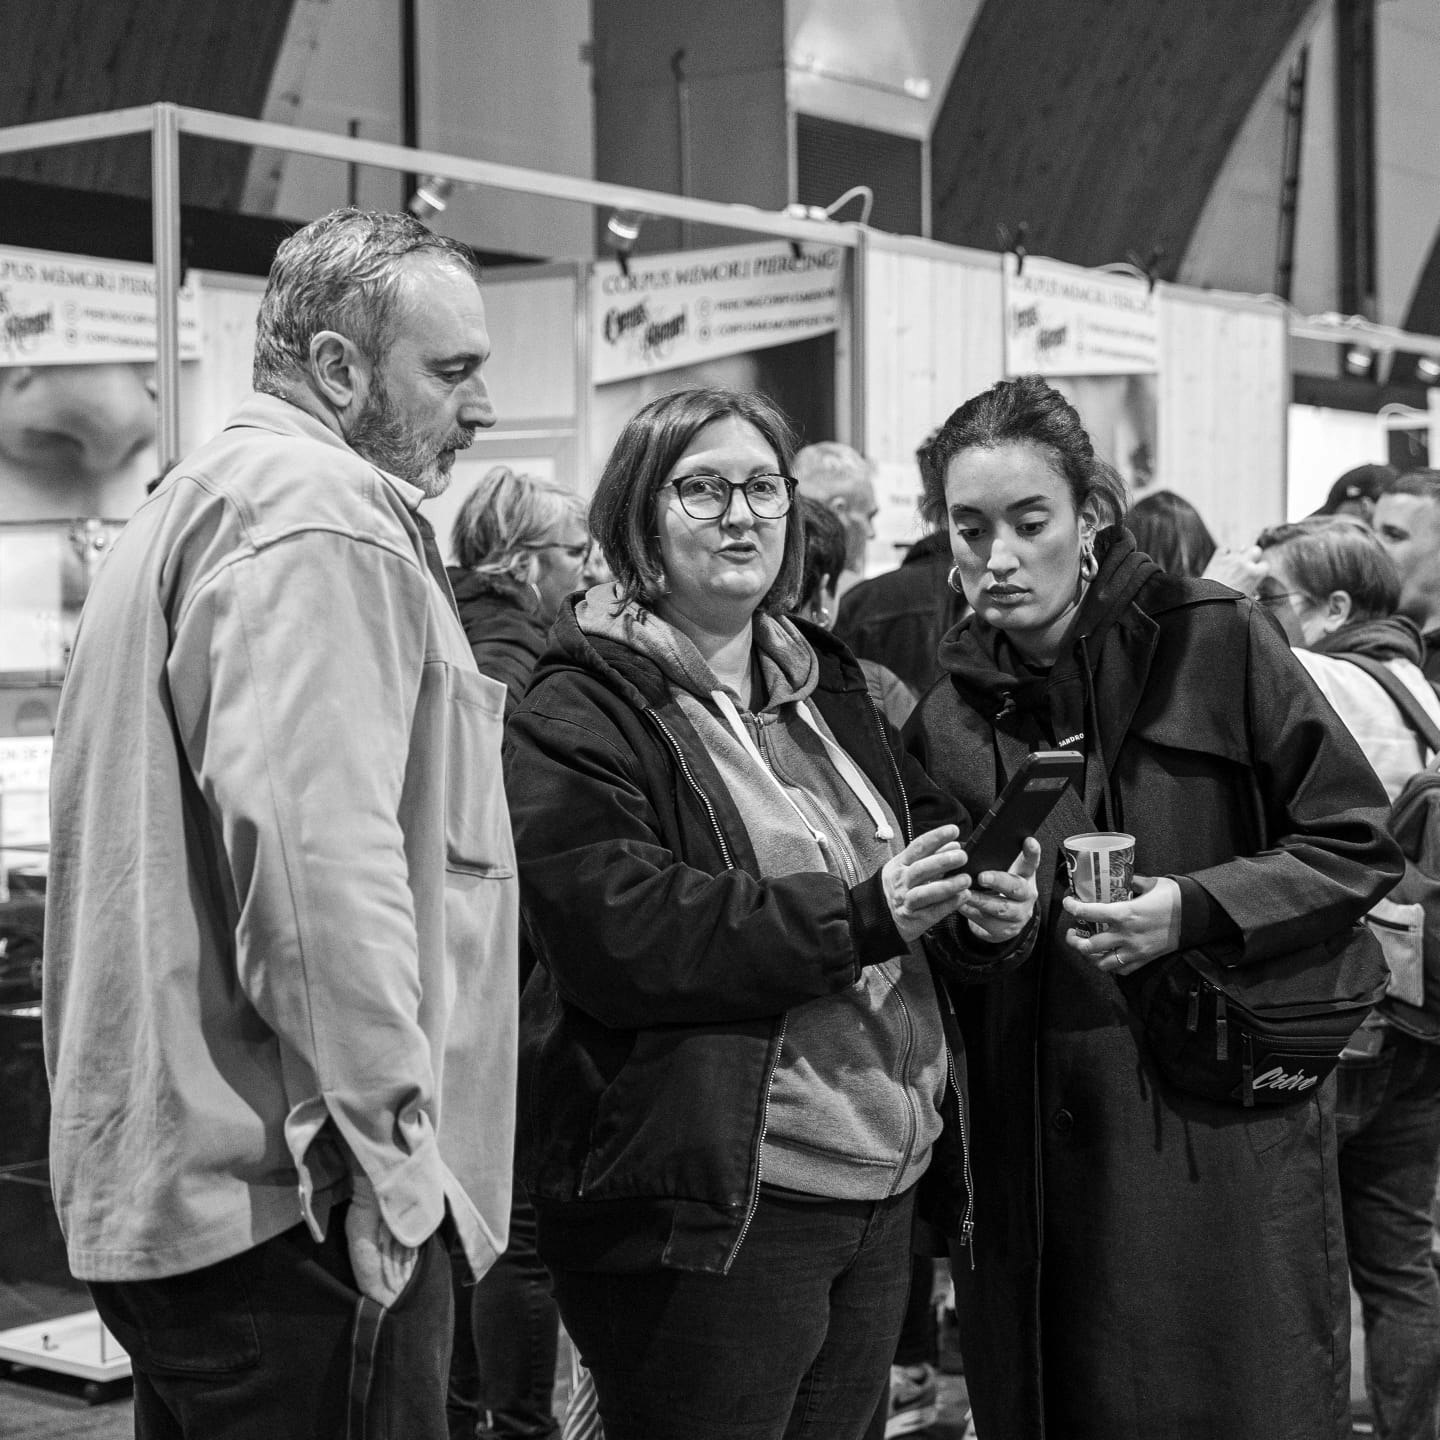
{"x": 1021, "y": 808}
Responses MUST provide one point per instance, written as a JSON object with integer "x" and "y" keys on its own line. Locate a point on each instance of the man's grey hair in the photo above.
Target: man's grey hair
{"x": 343, "y": 272}
{"x": 829, "y": 469}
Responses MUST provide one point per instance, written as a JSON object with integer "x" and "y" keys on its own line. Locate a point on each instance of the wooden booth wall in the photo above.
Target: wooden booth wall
{"x": 1223, "y": 401}
{"x": 931, "y": 335}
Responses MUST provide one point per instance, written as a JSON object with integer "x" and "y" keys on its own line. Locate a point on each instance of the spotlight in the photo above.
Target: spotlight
{"x": 1427, "y": 369}
{"x": 622, "y": 230}
{"x": 431, "y": 197}
{"x": 1359, "y": 360}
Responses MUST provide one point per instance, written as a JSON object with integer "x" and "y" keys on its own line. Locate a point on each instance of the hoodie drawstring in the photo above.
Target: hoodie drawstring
{"x": 848, "y": 771}
{"x": 1111, "y": 817}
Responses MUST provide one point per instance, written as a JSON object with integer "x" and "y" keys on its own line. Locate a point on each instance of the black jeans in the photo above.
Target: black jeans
{"x": 507, "y": 1329}
{"x": 1387, "y": 1118}
{"x": 276, "y": 1343}
{"x": 795, "y": 1342}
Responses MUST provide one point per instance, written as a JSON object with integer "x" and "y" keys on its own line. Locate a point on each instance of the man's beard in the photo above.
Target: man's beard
{"x": 384, "y": 438}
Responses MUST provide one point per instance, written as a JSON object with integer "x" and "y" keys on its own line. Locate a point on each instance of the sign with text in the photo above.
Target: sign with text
{"x": 697, "y": 305}
{"x": 1064, "y": 320}
{"x": 72, "y": 310}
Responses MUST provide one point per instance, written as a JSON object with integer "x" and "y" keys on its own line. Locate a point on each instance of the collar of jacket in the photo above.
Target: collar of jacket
{"x": 640, "y": 680}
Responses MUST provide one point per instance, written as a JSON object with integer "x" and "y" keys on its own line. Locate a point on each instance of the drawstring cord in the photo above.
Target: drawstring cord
{"x": 1112, "y": 817}
{"x": 847, "y": 769}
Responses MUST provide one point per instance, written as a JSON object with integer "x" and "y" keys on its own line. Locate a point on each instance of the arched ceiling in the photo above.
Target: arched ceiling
{"x": 1102, "y": 124}
{"x": 73, "y": 57}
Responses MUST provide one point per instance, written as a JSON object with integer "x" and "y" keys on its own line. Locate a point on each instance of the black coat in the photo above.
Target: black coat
{"x": 653, "y": 1021}
{"x": 1147, "y": 1264}
{"x": 504, "y": 628}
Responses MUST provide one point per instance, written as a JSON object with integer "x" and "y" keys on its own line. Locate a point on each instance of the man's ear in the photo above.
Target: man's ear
{"x": 340, "y": 371}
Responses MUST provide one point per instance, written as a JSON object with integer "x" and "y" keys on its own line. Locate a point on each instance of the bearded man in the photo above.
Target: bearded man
{"x": 281, "y": 925}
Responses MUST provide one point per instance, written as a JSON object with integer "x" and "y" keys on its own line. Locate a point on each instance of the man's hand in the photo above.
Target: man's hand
{"x": 382, "y": 1265}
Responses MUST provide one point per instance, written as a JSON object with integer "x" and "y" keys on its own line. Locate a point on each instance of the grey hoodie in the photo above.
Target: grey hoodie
{"x": 854, "y": 1105}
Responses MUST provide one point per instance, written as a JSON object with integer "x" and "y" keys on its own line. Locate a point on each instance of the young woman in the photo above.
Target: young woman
{"x": 1146, "y": 1263}
{"x": 734, "y": 1061}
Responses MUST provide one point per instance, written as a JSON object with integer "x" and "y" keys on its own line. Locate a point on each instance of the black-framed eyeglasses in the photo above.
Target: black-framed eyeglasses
{"x": 1274, "y": 597}
{"x": 708, "y": 497}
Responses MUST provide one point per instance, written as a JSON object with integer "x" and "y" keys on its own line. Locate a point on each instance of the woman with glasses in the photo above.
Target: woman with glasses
{"x": 734, "y": 1067}
{"x": 522, "y": 545}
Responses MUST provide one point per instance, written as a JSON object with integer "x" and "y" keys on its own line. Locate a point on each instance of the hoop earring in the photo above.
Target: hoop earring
{"x": 952, "y": 578}
{"x": 1089, "y": 565}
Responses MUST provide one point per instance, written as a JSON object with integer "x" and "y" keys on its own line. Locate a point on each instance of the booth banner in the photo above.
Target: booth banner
{"x": 1064, "y": 320}
{"x": 71, "y": 310}
{"x": 696, "y": 305}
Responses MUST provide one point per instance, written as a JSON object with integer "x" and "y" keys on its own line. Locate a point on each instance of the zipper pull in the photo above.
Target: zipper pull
{"x": 1222, "y": 1029}
{"x": 967, "y": 1235}
{"x": 1192, "y": 1015}
{"x": 1247, "y": 1069}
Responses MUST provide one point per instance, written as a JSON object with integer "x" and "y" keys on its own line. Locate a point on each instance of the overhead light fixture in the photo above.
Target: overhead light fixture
{"x": 622, "y": 230}
{"x": 1427, "y": 369}
{"x": 431, "y": 196}
{"x": 1359, "y": 360}
{"x": 864, "y": 193}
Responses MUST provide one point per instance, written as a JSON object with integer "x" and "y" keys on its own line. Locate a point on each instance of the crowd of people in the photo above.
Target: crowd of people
{"x": 593, "y": 922}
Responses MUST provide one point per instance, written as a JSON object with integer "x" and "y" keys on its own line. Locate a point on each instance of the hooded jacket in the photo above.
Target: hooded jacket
{"x": 1148, "y": 1263}
{"x": 670, "y": 957}
{"x": 503, "y": 625}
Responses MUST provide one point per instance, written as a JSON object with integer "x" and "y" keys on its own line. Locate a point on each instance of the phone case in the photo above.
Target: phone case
{"x": 1021, "y": 807}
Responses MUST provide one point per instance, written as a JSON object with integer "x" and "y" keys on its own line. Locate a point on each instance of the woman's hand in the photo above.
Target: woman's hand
{"x": 1136, "y": 931}
{"x": 924, "y": 883}
{"x": 1000, "y": 905}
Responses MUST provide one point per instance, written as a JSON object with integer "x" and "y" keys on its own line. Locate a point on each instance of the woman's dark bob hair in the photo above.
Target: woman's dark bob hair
{"x": 1024, "y": 411}
{"x": 624, "y": 512}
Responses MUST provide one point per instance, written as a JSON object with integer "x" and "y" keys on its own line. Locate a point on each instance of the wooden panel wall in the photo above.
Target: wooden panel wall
{"x": 932, "y": 337}
{"x": 1223, "y": 400}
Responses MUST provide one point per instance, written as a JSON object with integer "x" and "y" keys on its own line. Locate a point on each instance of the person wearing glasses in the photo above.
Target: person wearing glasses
{"x": 735, "y": 1064}
{"x": 522, "y": 545}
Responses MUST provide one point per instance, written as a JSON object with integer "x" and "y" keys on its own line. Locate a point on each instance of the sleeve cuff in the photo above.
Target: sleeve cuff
{"x": 1203, "y": 922}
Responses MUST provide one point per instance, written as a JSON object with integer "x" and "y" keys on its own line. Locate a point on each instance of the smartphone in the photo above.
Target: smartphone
{"x": 1031, "y": 793}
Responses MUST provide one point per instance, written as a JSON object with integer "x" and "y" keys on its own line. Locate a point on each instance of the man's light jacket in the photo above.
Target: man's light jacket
{"x": 281, "y": 926}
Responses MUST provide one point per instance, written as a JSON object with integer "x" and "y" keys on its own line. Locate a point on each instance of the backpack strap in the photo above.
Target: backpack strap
{"x": 1411, "y": 710}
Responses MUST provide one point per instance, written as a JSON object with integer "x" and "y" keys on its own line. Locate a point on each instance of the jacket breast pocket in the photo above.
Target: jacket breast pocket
{"x": 477, "y": 818}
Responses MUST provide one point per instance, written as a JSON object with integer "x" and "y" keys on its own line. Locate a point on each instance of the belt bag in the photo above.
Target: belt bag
{"x": 1264, "y": 1033}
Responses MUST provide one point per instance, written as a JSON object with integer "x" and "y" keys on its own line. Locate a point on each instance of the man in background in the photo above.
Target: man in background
{"x": 1407, "y": 520}
{"x": 280, "y": 944}
{"x": 842, "y": 478}
{"x": 898, "y": 618}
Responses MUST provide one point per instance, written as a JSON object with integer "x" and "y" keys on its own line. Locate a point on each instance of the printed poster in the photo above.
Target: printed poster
{"x": 73, "y": 310}
{"x": 686, "y": 308}
{"x": 1064, "y": 320}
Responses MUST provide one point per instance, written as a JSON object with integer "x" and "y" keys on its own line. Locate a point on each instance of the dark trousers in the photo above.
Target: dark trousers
{"x": 795, "y": 1342}
{"x": 918, "y": 1343}
{"x": 507, "y": 1328}
{"x": 276, "y": 1343}
{"x": 1388, "y": 1122}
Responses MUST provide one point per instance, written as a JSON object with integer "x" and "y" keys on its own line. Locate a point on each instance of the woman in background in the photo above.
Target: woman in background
{"x": 1168, "y": 528}
{"x": 1147, "y": 1263}
{"x": 1335, "y": 591}
{"x": 521, "y": 544}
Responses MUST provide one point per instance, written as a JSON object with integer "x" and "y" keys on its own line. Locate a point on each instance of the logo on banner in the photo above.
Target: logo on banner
{"x": 640, "y": 336}
{"x": 22, "y": 331}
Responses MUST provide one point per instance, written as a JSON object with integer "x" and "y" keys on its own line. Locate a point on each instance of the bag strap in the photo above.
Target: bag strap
{"x": 1408, "y": 704}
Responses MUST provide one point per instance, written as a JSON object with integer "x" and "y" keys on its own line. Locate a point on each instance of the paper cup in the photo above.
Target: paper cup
{"x": 1102, "y": 869}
